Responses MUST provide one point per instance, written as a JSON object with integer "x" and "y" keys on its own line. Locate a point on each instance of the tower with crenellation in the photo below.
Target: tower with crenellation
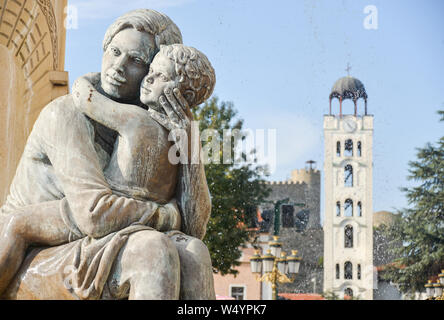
{"x": 298, "y": 223}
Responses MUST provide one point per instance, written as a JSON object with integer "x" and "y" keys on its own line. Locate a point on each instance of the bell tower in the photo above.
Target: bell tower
{"x": 348, "y": 219}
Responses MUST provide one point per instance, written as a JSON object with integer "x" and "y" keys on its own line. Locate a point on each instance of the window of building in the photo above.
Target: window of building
{"x": 287, "y": 216}
{"x": 359, "y": 149}
{"x": 359, "y": 209}
{"x": 337, "y": 271}
{"x": 348, "y": 208}
{"x": 267, "y": 219}
{"x": 338, "y": 149}
{"x": 348, "y": 148}
{"x": 238, "y": 292}
{"x": 359, "y": 272}
{"x": 348, "y": 176}
{"x": 338, "y": 209}
{"x": 301, "y": 221}
{"x": 348, "y": 271}
{"x": 348, "y": 293}
{"x": 348, "y": 236}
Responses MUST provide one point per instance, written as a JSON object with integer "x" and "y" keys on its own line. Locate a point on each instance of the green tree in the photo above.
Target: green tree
{"x": 421, "y": 226}
{"x": 236, "y": 189}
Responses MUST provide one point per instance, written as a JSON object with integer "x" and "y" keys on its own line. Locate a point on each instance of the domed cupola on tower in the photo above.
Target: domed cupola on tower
{"x": 348, "y": 88}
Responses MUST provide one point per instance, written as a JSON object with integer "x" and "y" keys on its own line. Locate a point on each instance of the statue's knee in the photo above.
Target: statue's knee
{"x": 152, "y": 246}
{"x": 199, "y": 248}
{"x": 193, "y": 248}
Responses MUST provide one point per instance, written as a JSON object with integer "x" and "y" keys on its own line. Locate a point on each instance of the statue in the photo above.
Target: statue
{"x": 95, "y": 185}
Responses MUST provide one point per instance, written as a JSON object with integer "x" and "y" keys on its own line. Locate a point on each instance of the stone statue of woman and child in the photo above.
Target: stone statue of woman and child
{"x": 97, "y": 209}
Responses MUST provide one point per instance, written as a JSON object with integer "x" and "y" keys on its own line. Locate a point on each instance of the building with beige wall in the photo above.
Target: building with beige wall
{"x": 244, "y": 286}
{"x": 32, "y": 59}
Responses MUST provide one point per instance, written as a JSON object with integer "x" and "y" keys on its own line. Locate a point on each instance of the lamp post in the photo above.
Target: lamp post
{"x": 434, "y": 291}
{"x": 277, "y": 210}
{"x": 275, "y": 265}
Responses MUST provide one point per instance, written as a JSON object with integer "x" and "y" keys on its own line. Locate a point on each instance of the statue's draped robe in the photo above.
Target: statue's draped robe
{"x": 62, "y": 162}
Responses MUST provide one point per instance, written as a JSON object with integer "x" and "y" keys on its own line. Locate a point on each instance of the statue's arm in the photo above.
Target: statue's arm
{"x": 114, "y": 115}
{"x": 192, "y": 193}
{"x": 67, "y": 138}
{"x": 193, "y": 197}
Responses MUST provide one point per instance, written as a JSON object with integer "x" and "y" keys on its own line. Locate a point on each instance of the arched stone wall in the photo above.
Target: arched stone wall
{"x": 32, "y": 52}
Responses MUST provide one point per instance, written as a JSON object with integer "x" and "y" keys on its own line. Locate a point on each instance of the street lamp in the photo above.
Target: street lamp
{"x": 294, "y": 262}
{"x": 438, "y": 290}
{"x": 275, "y": 246}
{"x": 434, "y": 291}
{"x": 277, "y": 209}
{"x": 275, "y": 268}
{"x": 429, "y": 290}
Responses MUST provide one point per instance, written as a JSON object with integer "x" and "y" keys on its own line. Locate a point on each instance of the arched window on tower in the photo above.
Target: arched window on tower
{"x": 348, "y": 176}
{"x": 348, "y": 208}
{"x": 359, "y": 209}
{"x": 348, "y": 236}
{"x": 348, "y": 271}
{"x": 348, "y": 148}
{"x": 337, "y": 271}
{"x": 338, "y": 148}
{"x": 359, "y": 149}
{"x": 338, "y": 209}
{"x": 359, "y": 272}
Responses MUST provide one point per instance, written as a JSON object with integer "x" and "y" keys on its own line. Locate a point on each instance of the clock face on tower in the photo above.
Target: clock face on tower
{"x": 350, "y": 125}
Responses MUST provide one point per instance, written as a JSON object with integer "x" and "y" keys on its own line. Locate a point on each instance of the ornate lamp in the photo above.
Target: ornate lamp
{"x": 434, "y": 291}
{"x": 294, "y": 263}
{"x": 268, "y": 261}
{"x": 437, "y": 289}
{"x": 256, "y": 262}
{"x": 275, "y": 268}
{"x": 276, "y": 246}
{"x": 429, "y": 289}
{"x": 282, "y": 263}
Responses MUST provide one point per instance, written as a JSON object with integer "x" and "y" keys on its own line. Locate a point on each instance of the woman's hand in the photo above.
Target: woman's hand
{"x": 178, "y": 114}
{"x": 177, "y": 119}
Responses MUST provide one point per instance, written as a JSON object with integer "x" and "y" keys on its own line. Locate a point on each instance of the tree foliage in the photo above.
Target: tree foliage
{"x": 421, "y": 226}
{"x": 236, "y": 189}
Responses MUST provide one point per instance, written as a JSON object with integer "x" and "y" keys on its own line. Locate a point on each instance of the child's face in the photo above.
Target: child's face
{"x": 162, "y": 75}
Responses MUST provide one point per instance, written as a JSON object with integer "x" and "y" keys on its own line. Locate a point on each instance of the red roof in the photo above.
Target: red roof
{"x": 301, "y": 296}
{"x": 393, "y": 264}
{"x": 218, "y": 297}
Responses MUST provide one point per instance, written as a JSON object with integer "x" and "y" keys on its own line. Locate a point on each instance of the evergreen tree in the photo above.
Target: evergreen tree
{"x": 421, "y": 227}
{"x": 236, "y": 188}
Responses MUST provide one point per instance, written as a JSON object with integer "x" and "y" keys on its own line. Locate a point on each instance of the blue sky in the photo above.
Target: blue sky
{"x": 277, "y": 61}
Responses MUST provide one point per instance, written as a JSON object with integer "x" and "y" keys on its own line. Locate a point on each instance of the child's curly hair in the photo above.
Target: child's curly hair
{"x": 196, "y": 75}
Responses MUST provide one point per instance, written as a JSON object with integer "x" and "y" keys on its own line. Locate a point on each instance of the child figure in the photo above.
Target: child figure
{"x": 139, "y": 167}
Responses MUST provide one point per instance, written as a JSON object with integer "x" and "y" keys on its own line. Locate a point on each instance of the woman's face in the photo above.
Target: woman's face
{"x": 125, "y": 63}
{"x": 162, "y": 75}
